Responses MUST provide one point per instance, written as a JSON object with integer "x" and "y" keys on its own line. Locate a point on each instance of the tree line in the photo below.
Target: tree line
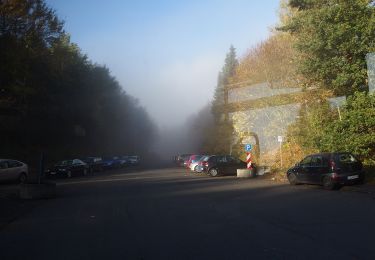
{"x": 53, "y": 99}
{"x": 320, "y": 45}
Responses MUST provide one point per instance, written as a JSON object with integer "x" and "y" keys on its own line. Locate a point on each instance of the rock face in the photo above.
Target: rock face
{"x": 246, "y": 173}
{"x": 45, "y": 190}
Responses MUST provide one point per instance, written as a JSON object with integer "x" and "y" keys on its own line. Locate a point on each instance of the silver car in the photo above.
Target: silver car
{"x": 12, "y": 170}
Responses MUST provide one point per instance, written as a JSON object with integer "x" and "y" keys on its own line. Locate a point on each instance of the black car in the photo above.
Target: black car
{"x": 332, "y": 170}
{"x": 95, "y": 164}
{"x": 68, "y": 168}
{"x": 221, "y": 165}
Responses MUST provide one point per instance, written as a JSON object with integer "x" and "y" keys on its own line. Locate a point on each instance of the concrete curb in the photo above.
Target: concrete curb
{"x": 246, "y": 173}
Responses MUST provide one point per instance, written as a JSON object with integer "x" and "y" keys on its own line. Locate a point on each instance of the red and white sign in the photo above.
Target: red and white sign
{"x": 248, "y": 160}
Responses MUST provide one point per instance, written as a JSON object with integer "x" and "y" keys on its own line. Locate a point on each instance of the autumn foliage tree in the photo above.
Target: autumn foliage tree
{"x": 273, "y": 61}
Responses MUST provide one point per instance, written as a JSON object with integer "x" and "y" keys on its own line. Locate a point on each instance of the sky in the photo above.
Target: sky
{"x": 166, "y": 53}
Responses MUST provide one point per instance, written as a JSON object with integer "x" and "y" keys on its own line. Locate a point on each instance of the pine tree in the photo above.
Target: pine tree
{"x": 225, "y": 74}
{"x": 218, "y": 140}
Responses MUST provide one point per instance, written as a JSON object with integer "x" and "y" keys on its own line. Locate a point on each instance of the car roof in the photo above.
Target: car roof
{"x": 1, "y": 160}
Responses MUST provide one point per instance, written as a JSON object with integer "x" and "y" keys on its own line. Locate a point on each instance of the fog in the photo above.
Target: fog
{"x": 178, "y": 91}
{"x": 120, "y": 77}
{"x": 185, "y": 138}
{"x": 166, "y": 54}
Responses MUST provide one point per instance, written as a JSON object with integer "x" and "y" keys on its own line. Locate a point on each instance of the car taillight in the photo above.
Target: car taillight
{"x": 332, "y": 165}
{"x": 204, "y": 163}
{"x": 334, "y": 175}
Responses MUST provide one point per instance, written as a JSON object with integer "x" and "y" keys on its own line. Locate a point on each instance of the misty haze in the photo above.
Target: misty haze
{"x": 187, "y": 129}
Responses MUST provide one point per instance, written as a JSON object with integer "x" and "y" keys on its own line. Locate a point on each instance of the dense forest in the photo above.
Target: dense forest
{"x": 53, "y": 99}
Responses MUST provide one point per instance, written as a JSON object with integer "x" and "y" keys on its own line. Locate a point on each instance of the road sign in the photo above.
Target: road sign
{"x": 248, "y": 147}
{"x": 280, "y": 139}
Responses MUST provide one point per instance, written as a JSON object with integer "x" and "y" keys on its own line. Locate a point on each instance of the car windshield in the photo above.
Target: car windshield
{"x": 205, "y": 158}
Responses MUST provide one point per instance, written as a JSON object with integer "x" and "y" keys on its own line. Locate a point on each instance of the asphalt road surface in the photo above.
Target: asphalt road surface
{"x": 169, "y": 214}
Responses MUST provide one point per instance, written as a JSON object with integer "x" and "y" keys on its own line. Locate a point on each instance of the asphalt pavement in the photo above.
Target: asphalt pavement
{"x": 173, "y": 214}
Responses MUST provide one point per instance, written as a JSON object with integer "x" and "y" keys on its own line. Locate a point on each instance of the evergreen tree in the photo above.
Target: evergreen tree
{"x": 53, "y": 99}
{"x": 230, "y": 65}
{"x": 218, "y": 139}
{"x": 225, "y": 74}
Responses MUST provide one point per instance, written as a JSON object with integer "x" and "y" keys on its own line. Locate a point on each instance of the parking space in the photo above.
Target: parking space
{"x": 170, "y": 212}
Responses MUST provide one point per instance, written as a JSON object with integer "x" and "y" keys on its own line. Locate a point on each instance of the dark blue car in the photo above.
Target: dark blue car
{"x": 111, "y": 162}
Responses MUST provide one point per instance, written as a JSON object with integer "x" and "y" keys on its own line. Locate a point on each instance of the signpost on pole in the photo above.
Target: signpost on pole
{"x": 280, "y": 140}
{"x": 248, "y": 148}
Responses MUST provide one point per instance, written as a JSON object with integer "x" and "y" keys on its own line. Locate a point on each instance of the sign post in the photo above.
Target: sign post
{"x": 280, "y": 140}
{"x": 248, "y": 148}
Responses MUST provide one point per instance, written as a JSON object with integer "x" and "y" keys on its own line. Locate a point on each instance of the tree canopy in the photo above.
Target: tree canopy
{"x": 53, "y": 99}
{"x": 333, "y": 37}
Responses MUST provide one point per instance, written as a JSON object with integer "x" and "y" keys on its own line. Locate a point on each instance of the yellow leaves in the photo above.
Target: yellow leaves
{"x": 270, "y": 61}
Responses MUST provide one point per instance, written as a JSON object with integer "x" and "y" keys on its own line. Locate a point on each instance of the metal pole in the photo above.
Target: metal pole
{"x": 281, "y": 157}
{"x": 41, "y": 167}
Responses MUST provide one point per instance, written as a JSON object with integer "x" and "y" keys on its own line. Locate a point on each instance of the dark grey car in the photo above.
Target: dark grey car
{"x": 332, "y": 170}
{"x": 216, "y": 165}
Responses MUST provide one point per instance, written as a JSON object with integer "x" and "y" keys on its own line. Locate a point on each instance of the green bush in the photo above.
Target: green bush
{"x": 355, "y": 132}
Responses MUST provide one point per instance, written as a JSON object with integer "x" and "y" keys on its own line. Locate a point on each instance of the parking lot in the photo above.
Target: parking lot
{"x": 171, "y": 213}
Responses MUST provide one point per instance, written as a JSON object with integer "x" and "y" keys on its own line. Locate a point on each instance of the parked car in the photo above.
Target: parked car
{"x": 216, "y": 165}
{"x": 95, "y": 164}
{"x": 69, "y": 168}
{"x": 133, "y": 159}
{"x": 195, "y": 162}
{"x": 192, "y": 158}
{"x": 112, "y": 162}
{"x": 13, "y": 170}
{"x": 125, "y": 160}
{"x": 332, "y": 170}
{"x": 182, "y": 159}
{"x": 203, "y": 165}
{"x": 121, "y": 161}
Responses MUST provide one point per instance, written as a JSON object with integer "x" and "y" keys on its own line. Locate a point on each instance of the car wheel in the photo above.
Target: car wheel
{"x": 196, "y": 168}
{"x": 213, "y": 172}
{"x": 328, "y": 183}
{"x": 292, "y": 178}
{"x": 69, "y": 174}
{"x": 22, "y": 178}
